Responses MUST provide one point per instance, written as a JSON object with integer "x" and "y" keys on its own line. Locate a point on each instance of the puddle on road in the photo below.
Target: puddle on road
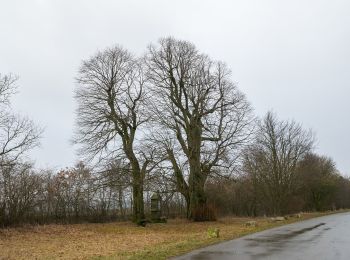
{"x": 274, "y": 243}
{"x": 262, "y": 247}
{"x": 279, "y": 237}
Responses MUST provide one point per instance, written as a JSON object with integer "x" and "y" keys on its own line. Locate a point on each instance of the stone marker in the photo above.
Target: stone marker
{"x": 251, "y": 223}
{"x": 155, "y": 208}
{"x": 277, "y": 219}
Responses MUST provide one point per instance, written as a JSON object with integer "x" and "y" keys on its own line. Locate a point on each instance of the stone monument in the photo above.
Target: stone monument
{"x": 155, "y": 208}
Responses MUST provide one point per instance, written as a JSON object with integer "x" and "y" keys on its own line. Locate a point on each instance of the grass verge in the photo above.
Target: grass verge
{"x": 124, "y": 240}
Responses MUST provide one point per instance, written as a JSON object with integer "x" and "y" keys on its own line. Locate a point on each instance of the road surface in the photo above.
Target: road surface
{"x": 320, "y": 238}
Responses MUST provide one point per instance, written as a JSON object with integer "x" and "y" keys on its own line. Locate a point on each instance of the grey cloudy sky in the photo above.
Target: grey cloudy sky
{"x": 289, "y": 56}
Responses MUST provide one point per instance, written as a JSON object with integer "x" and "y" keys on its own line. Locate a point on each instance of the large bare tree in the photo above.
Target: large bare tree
{"x": 110, "y": 95}
{"x": 272, "y": 159}
{"x": 204, "y": 119}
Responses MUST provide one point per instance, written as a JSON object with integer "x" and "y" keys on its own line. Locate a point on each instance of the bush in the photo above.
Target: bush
{"x": 213, "y": 232}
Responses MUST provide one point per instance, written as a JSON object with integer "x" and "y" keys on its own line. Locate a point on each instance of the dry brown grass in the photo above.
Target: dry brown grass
{"x": 120, "y": 240}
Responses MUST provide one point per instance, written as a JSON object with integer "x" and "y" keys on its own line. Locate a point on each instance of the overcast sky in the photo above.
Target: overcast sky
{"x": 289, "y": 56}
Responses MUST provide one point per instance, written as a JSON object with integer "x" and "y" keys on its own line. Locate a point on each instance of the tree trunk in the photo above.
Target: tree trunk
{"x": 198, "y": 199}
{"x": 138, "y": 203}
{"x": 137, "y": 185}
{"x": 120, "y": 203}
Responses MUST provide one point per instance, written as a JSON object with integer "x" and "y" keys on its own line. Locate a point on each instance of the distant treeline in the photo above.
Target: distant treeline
{"x": 317, "y": 186}
{"x": 79, "y": 194}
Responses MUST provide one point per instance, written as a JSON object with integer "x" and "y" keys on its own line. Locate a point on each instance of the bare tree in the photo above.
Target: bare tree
{"x": 111, "y": 94}
{"x": 318, "y": 178}
{"x": 204, "y": 119}
{"x": 18, "y": 189}
{"x": 7, "y": 88}
{"x": 18, "y": 134}
{"x": 117, "y": 178}
{"x": 272, "y": 159}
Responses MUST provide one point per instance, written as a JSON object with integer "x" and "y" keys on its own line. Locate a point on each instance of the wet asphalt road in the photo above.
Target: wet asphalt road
{"x": 325, "y": 237}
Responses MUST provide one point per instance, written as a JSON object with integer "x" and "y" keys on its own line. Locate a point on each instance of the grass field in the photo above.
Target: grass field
{"x": 122, "y": 240}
